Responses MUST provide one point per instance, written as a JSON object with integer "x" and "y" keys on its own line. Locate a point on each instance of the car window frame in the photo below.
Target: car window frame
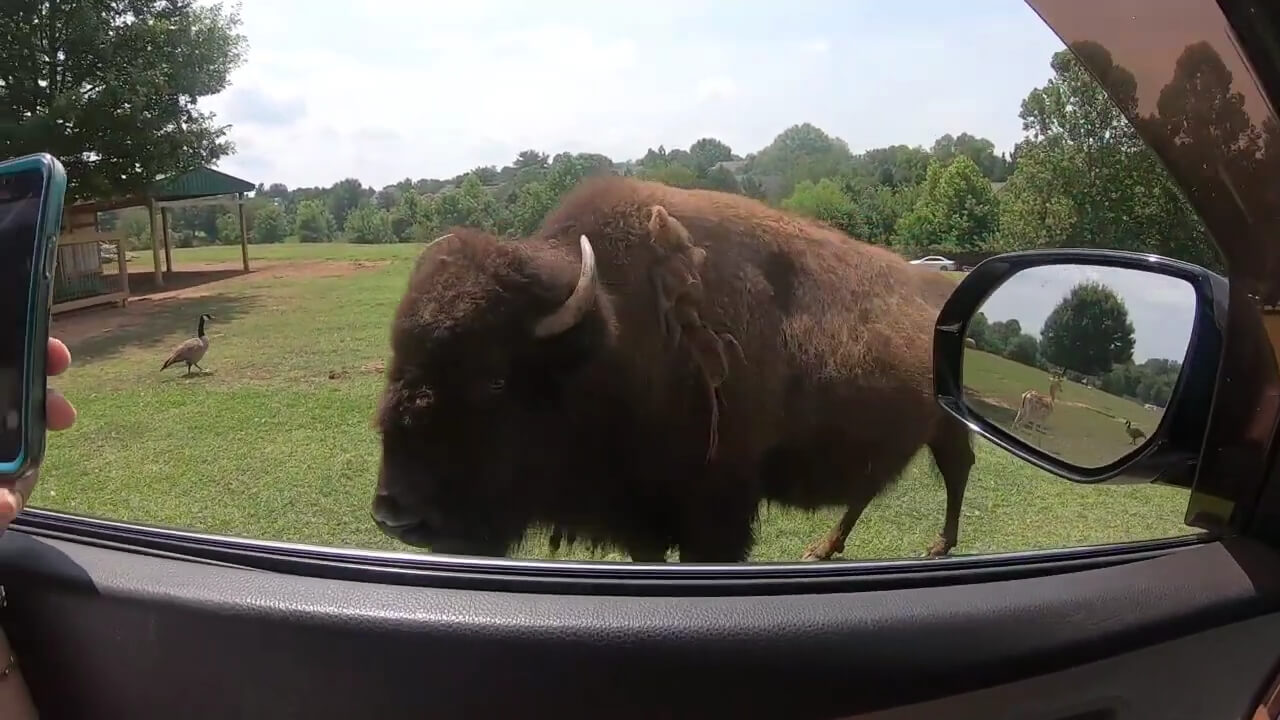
{"x": 1254, "y": 505}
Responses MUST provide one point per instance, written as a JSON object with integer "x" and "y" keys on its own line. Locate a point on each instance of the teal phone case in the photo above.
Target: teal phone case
{"x": 40, "y": 300}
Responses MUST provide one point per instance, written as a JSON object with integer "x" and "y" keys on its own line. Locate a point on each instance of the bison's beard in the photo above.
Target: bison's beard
{"x": 422, "y": 536}
{"x": 445, "y": 532}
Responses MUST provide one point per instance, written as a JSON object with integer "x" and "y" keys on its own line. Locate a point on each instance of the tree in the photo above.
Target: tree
{"x": 533, "y": 202}
{"x": 707, "y": 152}
{"x": 530, "y": 159}
{"x": 957, "y": 211}
{"x": 1150, "y": 382}
{"x": 368, "y": 225}
{"x": 486, "y": 174}
{"x": 801, "y": 152}
{"x": 979, "y": 329}
{"x": 718, "y": 178}
{"x": 673, "y": 174}
{"x": 1023, "y": 349}
{"x": 136, "y": 228}
{"x": 270, "y": 225}
{"x": 1088, "y": 331}
{"x": 999, "y": 336}
{"x": 1122, "y": 380}
{"x": 879, "y": 209}
{"x": 894, "y": 166}
{"x": 344, "y": 196}
{"x": 825, "y": 201}
{"x": 228, "y": 229}
{"x": 1083, "y": 176}
{"x": 412, "y": 214}
{"x": 112, "y": 89}
{"x": 980, "y": 150}
{"x": 1200, "y": 113}
{"x": 313, "y": 222}
{"x": 751, "y": 187}
{"x": 568, "y": 169}
{"x": 470, "y": 205}
{"x": 388, "y": 197}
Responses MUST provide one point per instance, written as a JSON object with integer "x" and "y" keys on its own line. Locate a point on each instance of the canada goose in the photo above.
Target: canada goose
{"x": 191, "y": 351}
{"x": 1134, "y": 432}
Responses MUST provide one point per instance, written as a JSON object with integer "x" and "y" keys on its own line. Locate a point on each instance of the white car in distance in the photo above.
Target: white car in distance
{"x": 937, "y": 262}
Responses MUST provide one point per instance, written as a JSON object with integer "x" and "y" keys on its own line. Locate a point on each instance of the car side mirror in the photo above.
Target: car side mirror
{"x": 1094, "y": 365}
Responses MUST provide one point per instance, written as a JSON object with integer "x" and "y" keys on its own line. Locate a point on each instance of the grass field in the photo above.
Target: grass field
{"x": 1086, "y": 426}
{"x": 276, "y": 441}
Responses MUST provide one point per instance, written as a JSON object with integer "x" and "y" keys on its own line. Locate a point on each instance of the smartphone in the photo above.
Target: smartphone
{"x": 31, "y": 195}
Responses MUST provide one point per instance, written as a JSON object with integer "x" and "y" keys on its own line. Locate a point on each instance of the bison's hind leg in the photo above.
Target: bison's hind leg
{"x": 952, "y": 449}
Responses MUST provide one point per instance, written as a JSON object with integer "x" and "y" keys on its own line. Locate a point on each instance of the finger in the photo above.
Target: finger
{"x": 10, "y": 504}
{"x": 59, "y": 357}
{"x": 13, "y": 499}
{"x": 59, "y": 413}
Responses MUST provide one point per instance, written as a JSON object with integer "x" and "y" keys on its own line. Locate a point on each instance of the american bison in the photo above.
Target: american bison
{"x": 529, "y": 383}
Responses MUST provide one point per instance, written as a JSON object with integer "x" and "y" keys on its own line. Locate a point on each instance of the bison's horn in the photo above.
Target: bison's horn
{"x": 576, "y": 307}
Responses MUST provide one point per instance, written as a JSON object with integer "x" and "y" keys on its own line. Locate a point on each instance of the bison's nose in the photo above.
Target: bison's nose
{"x": 389, "y": 513}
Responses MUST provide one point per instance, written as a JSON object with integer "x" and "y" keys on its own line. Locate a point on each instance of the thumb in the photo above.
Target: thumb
{"x": 13, "y": 499}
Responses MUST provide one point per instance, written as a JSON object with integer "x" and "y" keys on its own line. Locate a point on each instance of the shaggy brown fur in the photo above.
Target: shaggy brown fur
{"x": 488, "y": 428}
{"x": 676, "y": 274}
{"x": 677, "y": 281}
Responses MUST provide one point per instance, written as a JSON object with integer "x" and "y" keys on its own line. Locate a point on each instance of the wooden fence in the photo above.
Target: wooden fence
{"x": 92, "y": 269}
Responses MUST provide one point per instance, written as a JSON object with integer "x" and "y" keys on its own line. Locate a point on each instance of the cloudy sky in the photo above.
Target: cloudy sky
{"x": 392, "y": 89}
{"x": 1161, "y": 308}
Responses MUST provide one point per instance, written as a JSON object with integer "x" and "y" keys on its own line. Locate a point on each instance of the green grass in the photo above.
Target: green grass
{"x": 195, "y": 258}
{"x": 1086, "y": 426}
{"x": 270, "y": 446}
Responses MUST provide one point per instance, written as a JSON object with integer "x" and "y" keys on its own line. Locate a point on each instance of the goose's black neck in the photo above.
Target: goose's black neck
{"x": 200, "y": 331}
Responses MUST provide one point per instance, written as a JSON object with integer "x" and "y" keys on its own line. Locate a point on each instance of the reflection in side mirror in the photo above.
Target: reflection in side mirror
{"x": 1079, "y": 361}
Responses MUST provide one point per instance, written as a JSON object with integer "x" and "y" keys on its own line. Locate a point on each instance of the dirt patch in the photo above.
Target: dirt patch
{"x": 321, "y": 268}
{"x": 372, "y": 368}
{"x": 995, "y": 402}
{"x": 78, "y": 325}
{"x": 992, "y": 402}
{"x": 209, "y": 279}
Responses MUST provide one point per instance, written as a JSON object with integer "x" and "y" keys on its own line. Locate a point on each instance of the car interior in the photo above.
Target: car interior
{"x": 118, "y": 620}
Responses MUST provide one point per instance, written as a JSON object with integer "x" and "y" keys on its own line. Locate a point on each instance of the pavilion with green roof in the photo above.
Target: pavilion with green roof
{"x": 199, "y": 186}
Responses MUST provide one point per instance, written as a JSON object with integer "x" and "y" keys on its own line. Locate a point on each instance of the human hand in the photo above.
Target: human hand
{"x": 59, "y": 415}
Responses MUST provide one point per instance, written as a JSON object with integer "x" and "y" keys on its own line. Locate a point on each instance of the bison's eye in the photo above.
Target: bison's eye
{"x": 497, "y": 385}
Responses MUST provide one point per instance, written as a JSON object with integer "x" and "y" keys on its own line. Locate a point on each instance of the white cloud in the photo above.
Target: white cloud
{"x": 717, "y": 88}
{"x": 817, "y": 46}
{"x": 398, "y": 89}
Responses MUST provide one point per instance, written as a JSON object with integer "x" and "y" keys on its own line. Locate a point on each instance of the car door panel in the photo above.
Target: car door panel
{"x": 1211, "y": 674}
{"x": 105, "y": 633}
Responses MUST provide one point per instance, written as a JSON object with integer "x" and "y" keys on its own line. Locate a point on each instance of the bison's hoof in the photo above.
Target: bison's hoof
{"x": 940, "y": 548}
{"x": 821, "y": 551}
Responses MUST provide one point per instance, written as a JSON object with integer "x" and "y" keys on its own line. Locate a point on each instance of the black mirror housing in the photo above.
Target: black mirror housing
{"x": 1172, "y": 449}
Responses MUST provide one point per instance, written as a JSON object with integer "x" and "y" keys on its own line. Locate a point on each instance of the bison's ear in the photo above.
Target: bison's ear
{"x": 658, "y": 218}
{"x": 580, "y": 301}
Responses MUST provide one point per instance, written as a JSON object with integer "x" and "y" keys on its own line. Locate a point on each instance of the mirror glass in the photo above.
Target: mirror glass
{"x": 1079, "y": 360}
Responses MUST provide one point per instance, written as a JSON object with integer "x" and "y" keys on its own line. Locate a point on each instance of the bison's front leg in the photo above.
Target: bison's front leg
{"x": 833, "y": 542}
{"x": 719, "y": 512}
